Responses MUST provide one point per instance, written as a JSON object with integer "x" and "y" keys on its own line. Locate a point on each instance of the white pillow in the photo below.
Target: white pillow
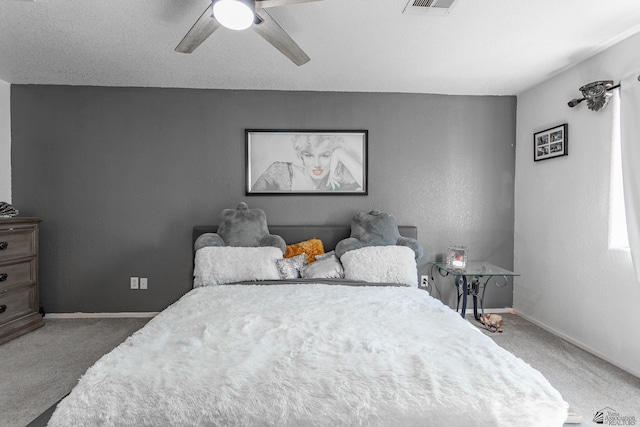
{"x": 215, "y": 265}
{"x": 388, "y": 264}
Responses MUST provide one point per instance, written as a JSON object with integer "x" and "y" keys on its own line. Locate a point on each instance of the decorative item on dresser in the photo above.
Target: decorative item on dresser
{"x": 19, "y": 293}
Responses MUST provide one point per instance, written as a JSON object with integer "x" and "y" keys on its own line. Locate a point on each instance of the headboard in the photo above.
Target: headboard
{"x": 329, "y": 234}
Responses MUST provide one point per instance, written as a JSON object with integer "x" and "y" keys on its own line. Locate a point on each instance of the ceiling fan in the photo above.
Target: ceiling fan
{"x": 228, "y": 12}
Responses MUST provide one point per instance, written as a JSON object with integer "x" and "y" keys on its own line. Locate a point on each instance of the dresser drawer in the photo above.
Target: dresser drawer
{"x": 17, "y": 243}
{"x": 16, "y": 273}
{"x": 17, "y": 303}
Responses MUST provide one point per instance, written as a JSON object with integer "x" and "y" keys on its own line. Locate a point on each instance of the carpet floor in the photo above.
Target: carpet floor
{"x": 40, "y": 368}
{"x": 588, "y": 383}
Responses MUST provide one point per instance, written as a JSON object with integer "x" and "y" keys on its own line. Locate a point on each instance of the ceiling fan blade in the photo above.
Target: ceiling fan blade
{"x": 269, "y": 29}
{"x": 203, "y": 28}
{"x": 272, "y": 3}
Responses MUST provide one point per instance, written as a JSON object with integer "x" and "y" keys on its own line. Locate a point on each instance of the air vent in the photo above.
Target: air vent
{"x": 437, "y": 7}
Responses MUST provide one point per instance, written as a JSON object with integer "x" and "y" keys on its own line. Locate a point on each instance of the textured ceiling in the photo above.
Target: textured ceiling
{"x": 483, "y": 47}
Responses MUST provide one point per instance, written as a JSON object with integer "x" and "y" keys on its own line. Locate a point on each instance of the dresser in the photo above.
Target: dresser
{"x": 19, "y": 299}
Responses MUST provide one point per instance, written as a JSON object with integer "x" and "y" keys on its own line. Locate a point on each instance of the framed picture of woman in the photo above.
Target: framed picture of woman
{"x": 306, "y": 162}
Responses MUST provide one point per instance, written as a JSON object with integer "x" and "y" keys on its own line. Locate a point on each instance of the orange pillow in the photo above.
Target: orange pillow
{"x": 311, "y": 248}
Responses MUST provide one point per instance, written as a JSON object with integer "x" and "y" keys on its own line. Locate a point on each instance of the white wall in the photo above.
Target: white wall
{"x": 571, "y": 283}
{"x": 5, "y": 142}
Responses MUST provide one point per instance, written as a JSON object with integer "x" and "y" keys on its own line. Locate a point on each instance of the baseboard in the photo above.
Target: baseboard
{"x": 469, "y": 311}
{"x": 100, "y": 315}
{"x": 580, "y": 344}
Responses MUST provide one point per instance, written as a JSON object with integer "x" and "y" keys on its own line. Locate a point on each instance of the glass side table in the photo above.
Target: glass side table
{"x": 473, "y": 280}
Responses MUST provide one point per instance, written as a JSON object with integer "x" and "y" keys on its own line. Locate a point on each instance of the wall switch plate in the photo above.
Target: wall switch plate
{"x": 143, "y": 283}
{"x": 134, "y": 283}
{"x": 424, "y": 281}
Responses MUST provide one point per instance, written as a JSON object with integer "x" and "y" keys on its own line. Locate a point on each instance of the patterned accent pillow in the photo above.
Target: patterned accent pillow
{"x": 326, "y": 268}
{"x": 289, "y": 268}
{"x": 311, "y": 248}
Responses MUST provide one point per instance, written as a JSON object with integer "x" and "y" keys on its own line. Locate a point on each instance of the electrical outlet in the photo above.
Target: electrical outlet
{"x": 134, "y": 283}
{"x": 143, "y": 283}
{"x": 424, "y": 281}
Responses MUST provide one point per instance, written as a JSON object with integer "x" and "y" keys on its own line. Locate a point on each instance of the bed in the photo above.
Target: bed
{"x": 310, "y": 352}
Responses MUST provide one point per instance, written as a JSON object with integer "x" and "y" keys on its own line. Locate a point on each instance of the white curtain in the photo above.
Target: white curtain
{"x": 630, "y": 149}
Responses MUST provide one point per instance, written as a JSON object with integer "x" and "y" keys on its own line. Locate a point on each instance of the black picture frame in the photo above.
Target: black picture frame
{"x": 550, "y": 143}
{"x": 306, "y": 162}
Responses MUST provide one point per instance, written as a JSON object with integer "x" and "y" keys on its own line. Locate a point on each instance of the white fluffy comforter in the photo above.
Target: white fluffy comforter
{"x": 310, "y": 355}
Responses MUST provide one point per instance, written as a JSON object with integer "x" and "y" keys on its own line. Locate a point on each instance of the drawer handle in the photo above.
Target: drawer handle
{"x": 3, "y": 277}
{"x": 4, "y": 245}
{"x": 3, "y": 308}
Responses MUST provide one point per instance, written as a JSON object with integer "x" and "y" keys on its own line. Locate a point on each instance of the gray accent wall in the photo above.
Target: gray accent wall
{"x": 121, "y": 175}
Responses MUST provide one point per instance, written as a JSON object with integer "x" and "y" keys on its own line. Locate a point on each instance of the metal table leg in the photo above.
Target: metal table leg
{"x": 484, "y": 288}
{"x": 476, "y": 286}
{"x": 461, "y": 281}
{"x": 474, "y": 290}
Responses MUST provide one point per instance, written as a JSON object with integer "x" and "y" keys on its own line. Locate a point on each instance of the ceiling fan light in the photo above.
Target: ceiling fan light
{"x": 234, "y": 14}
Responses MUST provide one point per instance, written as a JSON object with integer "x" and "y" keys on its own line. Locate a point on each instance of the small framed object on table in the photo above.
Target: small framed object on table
{"x": 457, "y": 257}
